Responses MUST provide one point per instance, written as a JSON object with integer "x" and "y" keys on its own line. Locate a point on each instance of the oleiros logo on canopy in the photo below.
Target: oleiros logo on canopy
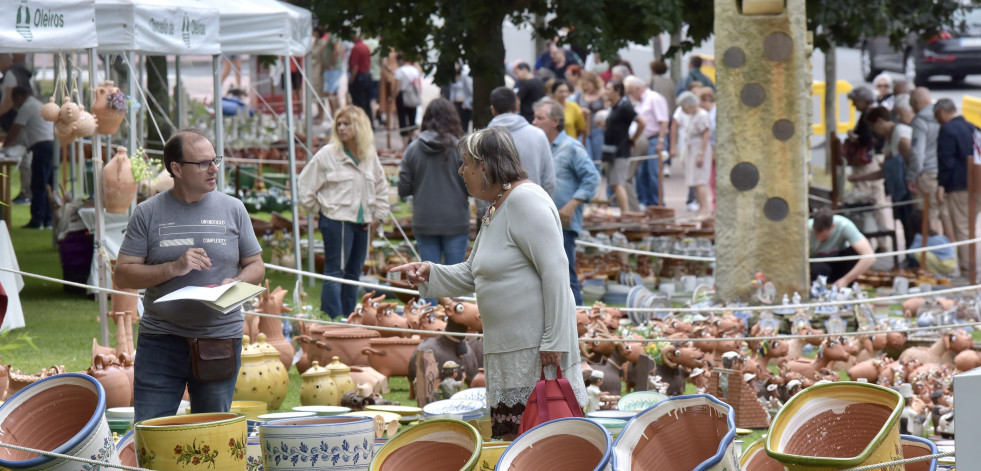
{"x": 192, "y": 27}
{"x": 29, "y": 18}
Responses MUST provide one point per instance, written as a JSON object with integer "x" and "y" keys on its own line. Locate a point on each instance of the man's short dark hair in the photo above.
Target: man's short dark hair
{"x": 174, "y": 148}
{"x": 695, "y": 62}
{"x": 21, "y": 91}
{"x": 503, "y": 100}
{"x": 946, "y": 105}
{"x": 878, "y": 113}
{"x": 617, "y": 86}
{"x": 823, "y": 220}
{"x": 523, "y": 66}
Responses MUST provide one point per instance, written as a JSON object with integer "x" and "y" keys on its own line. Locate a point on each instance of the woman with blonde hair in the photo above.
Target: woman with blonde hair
{"x": 345, "y": 186}
{"x": 590, "y": 100}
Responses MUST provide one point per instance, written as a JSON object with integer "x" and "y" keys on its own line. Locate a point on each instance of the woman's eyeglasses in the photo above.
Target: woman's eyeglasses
{"x": 204, "y": 166}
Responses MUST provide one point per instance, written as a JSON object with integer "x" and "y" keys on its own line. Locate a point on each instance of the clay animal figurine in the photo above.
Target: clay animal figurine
{"x": 943, "y": 350}
{"x": 829, "y": 351}
{"x": 967, "y": 360}
{"x": 674, "y": 364}
{"x": 463, "y": 312}
{"x": 387, "y": 317}
{"x": 366, "y": 312}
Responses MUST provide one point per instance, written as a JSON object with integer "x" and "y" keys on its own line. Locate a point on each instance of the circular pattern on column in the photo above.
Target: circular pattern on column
{"x": 778, "y": 46}
{"x": 776, "y": 209}
{"x": 783, "y": 129}
{"x": 744, "y": 176}
{"x": 753, "y": 95}
{"x": 734, "y": 57}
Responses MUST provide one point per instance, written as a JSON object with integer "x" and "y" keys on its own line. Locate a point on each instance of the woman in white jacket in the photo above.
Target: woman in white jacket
{"x": 344, "y": 185}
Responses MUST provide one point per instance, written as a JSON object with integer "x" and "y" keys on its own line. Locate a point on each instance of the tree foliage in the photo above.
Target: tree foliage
{"x": 848, "y": 22}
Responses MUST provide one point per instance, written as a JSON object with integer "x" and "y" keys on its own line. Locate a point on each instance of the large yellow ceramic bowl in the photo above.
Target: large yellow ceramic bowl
{"x": 490, "y": 454}
{"x": 213, "y": 441}
{"x": 251, "y": 409}
{"x": 433, "y": 445}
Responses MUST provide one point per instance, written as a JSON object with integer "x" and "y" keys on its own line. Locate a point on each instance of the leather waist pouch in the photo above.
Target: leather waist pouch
{"x": 212, "y": 359}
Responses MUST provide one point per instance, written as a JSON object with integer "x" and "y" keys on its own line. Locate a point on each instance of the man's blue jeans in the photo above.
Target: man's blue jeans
{"x": 646, "y": 179}
{"x": 345, "y": 248}
{"x": 163, "y": 369}
{"x": 570, "y": 253}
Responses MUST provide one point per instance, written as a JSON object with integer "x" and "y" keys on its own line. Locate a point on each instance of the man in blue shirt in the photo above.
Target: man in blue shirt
{"x": 955, "y": 148}
{"x": 576, "y": 179}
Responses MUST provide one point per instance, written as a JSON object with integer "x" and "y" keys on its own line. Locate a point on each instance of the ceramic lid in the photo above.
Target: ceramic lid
{"x": 249, "y": 350}
{"x": 315, "y": 370}
{"x": 263, "y": 347}
{"x": 336, "y": 367}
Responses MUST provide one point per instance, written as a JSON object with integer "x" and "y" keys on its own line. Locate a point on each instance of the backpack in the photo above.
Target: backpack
{"x": 410, "y": 97}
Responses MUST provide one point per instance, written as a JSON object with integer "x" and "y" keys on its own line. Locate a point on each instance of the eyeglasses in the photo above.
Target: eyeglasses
{"x": 204, "y": 166}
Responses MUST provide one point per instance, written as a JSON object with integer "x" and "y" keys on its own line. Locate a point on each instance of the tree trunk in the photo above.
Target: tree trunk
{"x": 156, "y": 84}
{"x": 831, "y": 125}
{"x": 656, "y": 46}
{"x": 540, "y": 42}
{"x": 487, "y": 69}
{"x": 676, "y": 58}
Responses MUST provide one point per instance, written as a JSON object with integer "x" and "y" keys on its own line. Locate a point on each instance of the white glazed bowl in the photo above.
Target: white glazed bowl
{"x": 323, "y": 410}
{"x": 545, "y": 451}
{"x": 317, "y": 442}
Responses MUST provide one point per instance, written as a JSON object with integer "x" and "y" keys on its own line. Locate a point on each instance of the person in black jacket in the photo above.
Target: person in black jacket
{"x": 955, "y": 146}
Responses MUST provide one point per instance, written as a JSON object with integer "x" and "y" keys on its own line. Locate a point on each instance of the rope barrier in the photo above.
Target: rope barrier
{"x": 901, "y": 462}
{"x": 862, "y": 209}
{"x": 52, "y": 454}
{"x": 692, "y": 258}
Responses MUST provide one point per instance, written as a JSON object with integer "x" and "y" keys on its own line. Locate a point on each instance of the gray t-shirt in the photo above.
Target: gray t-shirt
{"x": 36, "y": 129}
{"x": 162, "y": 229}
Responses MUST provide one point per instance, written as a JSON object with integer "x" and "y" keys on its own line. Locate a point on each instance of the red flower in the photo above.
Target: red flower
{"x": 206, "y": 449}
{"x": 178, "y": 450}
{"x": 231, "y": 442}
{"x": 196, "y": 460}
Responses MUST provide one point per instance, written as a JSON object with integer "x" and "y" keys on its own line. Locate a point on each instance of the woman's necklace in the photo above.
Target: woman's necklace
{"x": 493, "y": 207}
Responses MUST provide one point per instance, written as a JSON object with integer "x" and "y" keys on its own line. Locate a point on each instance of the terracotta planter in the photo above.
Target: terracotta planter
{"x": 858, "y": 424}
{"x": 390, "y": 355}
{"x": 320, "y": 442}
{"x": 348, "y": 344}
{"x": 756, "y": 459}
{"x": 194, "y": 441}
{"x": 433, "y": 445}
{"x": 109, "y": 118}
{"x": 916, "y": 446}
{"x": 569, "y": 443}
{"x": 117, "y": 180}
{"x": 63, "y": 413}
{"x": 691, "y": 432}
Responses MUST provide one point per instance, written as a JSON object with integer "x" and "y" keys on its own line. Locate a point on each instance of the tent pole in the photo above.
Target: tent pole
{"x": 308, "y": 114}
{"x": 108, "y": 62}
{"x": 219, "y": 126}
{"x": 311, "y": 263}
{"x": 291, "y": 139}
{"x": 100, "y": 222}
{"x": 72, "y": 171}
{"x": 178, "y": 93}
{"x": 134, "y": 127}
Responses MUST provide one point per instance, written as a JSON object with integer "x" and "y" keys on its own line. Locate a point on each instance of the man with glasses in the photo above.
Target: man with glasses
{"x": 190, "y": 235}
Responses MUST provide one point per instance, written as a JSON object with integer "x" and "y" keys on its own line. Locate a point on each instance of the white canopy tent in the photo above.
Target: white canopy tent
{"x": 37, "y": 26}
{"x": 267, "y": 27}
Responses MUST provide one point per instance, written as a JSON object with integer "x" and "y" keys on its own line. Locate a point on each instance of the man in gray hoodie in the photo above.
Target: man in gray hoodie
{"x": 533, "y": 147}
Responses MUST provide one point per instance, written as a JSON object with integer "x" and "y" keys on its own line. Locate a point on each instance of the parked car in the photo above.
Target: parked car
{"x": 954, "y": 51}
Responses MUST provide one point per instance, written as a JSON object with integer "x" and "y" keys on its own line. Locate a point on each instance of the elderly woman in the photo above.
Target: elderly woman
{"x": 519, "y": 271}
{"x": 344, "y": 185}
{"x": 698, "y": 158}
{"x": 883, "y": 86}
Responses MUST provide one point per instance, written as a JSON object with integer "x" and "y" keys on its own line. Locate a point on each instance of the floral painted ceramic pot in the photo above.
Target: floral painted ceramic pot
{"x": 433, "y": 445}
{"x": 126, "y": 449}
{"x": 756, "y": 459}
{"x": 916, "y": 446}
{"x": 321, "y": 443}
{"x": 691, "y": 432}
{"x": 214, "y": 441}
{"x": 64, "y": 414}
{"x": 253, "y": 454}
{"x": 857, "y": 424}
{"x": 569, "y": 443}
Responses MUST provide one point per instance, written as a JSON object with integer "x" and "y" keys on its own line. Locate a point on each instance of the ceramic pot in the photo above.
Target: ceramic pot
{"x": 69, "y": 111}
{"x": 691, "y": 432}
{"x": 340, "y": 373}
{"x": 253, "y": 381}
{"x": 390, "y": 355}
{"x": 176, "y": 443}
{"x": 119, "y": 388}
{"x": 251, "y": 409}
{"x": 456, "y": 444}
{"x": 914, "y": 447}
{"x": 277, "y": 377}
{"x": 64, "y": 132}
{"x": 126, "y": 449}
{"x": 479, "y": 381}
{"x": 569, "y": 443}
{"x": 858, "y": 424}
{"x": 109, "y": 118}
{"x": 348, "y": 344}
{"x": 756, "y": 459}
{"x": 367, "y": 374}
{"x": 118, "y": 182}
{"x": 63, "y": 413}
{"x": 490, "y": 454}
{"x": 318, "y": 388}
{"x": 320, "y": 442}
{"x": 84, "y": 126}
{"x": 50, "y": 110}
{"x": 253, "y": 454}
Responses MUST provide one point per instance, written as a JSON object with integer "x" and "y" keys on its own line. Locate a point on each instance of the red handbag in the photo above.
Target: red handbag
{"x": 552, "y": 399}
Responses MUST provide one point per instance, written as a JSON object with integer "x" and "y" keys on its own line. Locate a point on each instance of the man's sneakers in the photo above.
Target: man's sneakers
{"x": 693, "y": 207}
{"x": 667, "y": 171}
{"x": 22, "y": 199}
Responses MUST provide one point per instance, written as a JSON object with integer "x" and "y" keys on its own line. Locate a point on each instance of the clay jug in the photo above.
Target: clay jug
{"x": 252, "y": 383}
{"x": 342, "y": 377}
{"x": 69, "y": 111}
{"x": 277, "y": 376}
{"x": 109, "y": 118}
{"x": 50, "y": 110}
{"x": 271, "y": 302}
{"x": 119, "y": 390}
{"x": 318, "y": 388}
{"x": 118, "y": 182}
{"x": 84, "y": 126}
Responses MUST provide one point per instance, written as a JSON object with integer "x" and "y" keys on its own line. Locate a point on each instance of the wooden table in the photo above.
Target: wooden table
{"x": 6, "y": 165}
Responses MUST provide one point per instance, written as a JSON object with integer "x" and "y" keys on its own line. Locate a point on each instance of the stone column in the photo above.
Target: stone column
{"x": 762, "y": 161}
